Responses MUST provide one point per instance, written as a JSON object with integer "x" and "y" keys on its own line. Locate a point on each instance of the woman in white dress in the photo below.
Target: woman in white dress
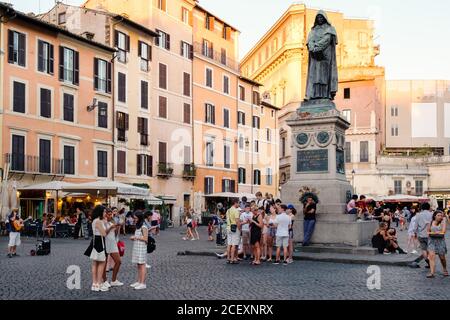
{"x": 139, "y": 256}
{"x": 111, "y": 249}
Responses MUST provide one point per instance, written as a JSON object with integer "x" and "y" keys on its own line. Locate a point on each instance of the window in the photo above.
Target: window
{"x": 62, "y": 18}
{"x": 394, "y": 111}
{"x": 122, "y": 124}
{"x": 268, "y": 135}
{"x": 102, "y": 164}
{"x": 44, "y": 156}
{"x": 347, "y": 114}
{"x": 186, "y": 84}
{"x": 209, "y": 77}
{"x": 348, "y": 152}
{"x": 283, "y": 147}
{"x": 241, "y": 142}
{"x": 207, "y": 49}
{"x": 226, "y": 33}
{"x": 226, "y": 156}
{"x": 69, "y": 160}
{"x": 394, "y": 130}
{"x": 241, "y": 93}
{"x": 122, "y": 43}
{"x": 45, "y": 57}
{"x": 273, "y": 114}
{"x": 18, "y": 153}
{"x": 185, "y": 15}
{"x": 226, "y": 85}
{"x": 68, "y": 106}
{"x": 346, "y": 93}
{"x": 143, "y": 130}
{"x": 162, "y": 5}
{"x": 209, "y": 185}
{"x": 256, "y": 146}
{"x": 223, "y": 57}
{"x": 256, "y": 122}
{"x": 46, "y": 103}
{"x": 419, "y": 188}
{"x": 16, "y": 48}
{"x": 103, "y": 115}
{"x": 269, "y": 176}
{"x": 364, "y": 151}
{"x": 209, "y": 22}
{"x": 102, "y": 75}
{"x": 187, "y": 113}
{"x": 144, "y": 165}
{"x": 163, "y": 107}
{"x": 262, "y": 110}
{"x": 226, "y": 118}
{"x": 257, "y": 177}
{"x": 241, "y": 118}
{"x": 210, "y": 114}
{"x": 209, "y": 153}
{"x": 122, "y": 84}
{"x": 162, "y": 152}
{"x": 398, "y": 187}
{"x": 256, "y": 98}
{"x": 144, "y": 94}
{"x": 228, "y": 185}
{"x": 163, "y": 41}
{"x": 145, "y": 53}
{"x": 162, "y": 76}
{"x": 121, "y": 162}
{"x": 69, "y": 62}
{"x": 241, "y": 175}
{"x": 187, "y": 50}
{"x": 19, "y": 97}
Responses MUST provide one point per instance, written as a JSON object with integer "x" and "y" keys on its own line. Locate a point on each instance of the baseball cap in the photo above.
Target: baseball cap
{"x": 290, "y": 206}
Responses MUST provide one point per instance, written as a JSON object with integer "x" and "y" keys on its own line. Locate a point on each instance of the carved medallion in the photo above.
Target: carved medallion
{"x": 302, "y": 139}
{"x": 323, "y": 137}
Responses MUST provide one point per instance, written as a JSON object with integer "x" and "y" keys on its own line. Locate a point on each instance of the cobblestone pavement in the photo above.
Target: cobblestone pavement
{"x": 196, "y": 277}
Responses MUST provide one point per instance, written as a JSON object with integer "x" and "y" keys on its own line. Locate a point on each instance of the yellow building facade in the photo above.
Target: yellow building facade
{"x": 279, "y": 62}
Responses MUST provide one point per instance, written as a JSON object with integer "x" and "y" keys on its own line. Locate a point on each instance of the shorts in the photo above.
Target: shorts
{"x": 233, "y": 238}
{"x": 245, "y": 237}
{"x": 14, "y": 239}
{"x": 282, "y": 242}
{"x": 423, "y": 243}
{"x": 353, "y": 211}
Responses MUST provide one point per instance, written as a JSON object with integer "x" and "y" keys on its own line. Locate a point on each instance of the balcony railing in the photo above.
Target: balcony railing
{"x": 189, "y": 171}
{"x": 165, "y": 169}
{"x": 216, "y": 56}
{"x": 22, "y": 163}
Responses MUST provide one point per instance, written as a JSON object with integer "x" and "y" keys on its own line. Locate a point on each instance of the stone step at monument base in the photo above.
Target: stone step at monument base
{"x": 335, "y": 249}
{"x": 336, "y": 217}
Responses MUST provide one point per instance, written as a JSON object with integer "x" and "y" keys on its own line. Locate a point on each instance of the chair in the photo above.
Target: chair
{"x": 62, "y": 230}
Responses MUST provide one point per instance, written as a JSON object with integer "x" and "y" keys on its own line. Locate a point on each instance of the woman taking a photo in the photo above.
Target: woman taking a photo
{"x": 139, "y": 257}
{"x": 112, "y": 249}
{"x": 436, "y": 243}
{"x": 96, "y": 251}
{"x": 256, "y": 225}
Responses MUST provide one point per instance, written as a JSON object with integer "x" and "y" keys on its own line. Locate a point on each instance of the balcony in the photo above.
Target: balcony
{"x": 165, "y": 170}
{"x": 216, "y": 56}
{"x": 189, "y": 171}
{"x": 27, "y": 164}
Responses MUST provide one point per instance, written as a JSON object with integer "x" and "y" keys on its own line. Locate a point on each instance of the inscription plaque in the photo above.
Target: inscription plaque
{"x": 312, "y": 160}
{"x": 340, "y": 162}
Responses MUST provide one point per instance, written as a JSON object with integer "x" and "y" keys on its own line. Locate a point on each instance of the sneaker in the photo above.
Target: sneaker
{"x": 140, "y": 286}
{"x": 414, "y": 252}
{"x": 106, "y": 284}
{"x": 277, "y": 262}
{"x": 116, "y": 283}
{"x": 219, "y": 256}
{"x": 103, "y": 288}
{"x": 134, "y": 284}
{"x": 290, "y": 261}
{"x": 148, "y": 266}
{"x": 193, "y": 239}
{"x": 95, "y": 288}
{"x": 386, "y": 253}
{"x": 10, "y": 255}
{"x": 285, "y": 263}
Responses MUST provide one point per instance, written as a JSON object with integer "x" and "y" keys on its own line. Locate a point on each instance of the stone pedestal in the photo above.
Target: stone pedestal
{"x": 318, "y": 162}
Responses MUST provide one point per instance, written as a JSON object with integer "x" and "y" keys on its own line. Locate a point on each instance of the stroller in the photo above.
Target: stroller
{"x": 42, "y": 246}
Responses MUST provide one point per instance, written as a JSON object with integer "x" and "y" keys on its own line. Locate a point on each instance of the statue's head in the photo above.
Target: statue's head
{"x": 320, "y": 20}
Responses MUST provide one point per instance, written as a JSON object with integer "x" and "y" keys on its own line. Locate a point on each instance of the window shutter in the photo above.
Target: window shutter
{"x": 61, "y": 63}
{"x": 233, "y": 186}
{"x": 163, "y": 107}
{"x": 182, "y": 48}
{"x": 10, "y": 46}
{"x": 127, "y": 39}
{"x": 144, "y": 94}
{"x": 162, "y": 152}
{"x": 40, "y": 55}
{"x": 22, "y": 50}
{"x": 121, "y": 168}
{"x": 206, "y": 186}
{"x": 145, "y": 125}
{"x": 187, "y": 84}
{"x": 162, "y": 76}
{"x": 140, "y": 125}
{"x": 213, "y": 114}
{"x": 149, "y": 166}
{"x": 139, "y": 48}
{"x": 168, "y": 41}
{"x": 76, "y": 76}
{"x": 228, "y": 33}
{"x": 211, "y": 23}
{"x": 116, "y": 38}
{"x": 223, "y": 185}
{"x": 187, "y": 113}
{"x": 191, "y": 18}
{"x": 211, "y": 51}
{"x": 127, "y": 121}
{"x": 206, "y": 112}
{"x": 139, "y": 164}
{"x": 95, "y": 74}
{"x": 149, "y": 52}
{"x": 191, "y": 52}
{"x": 108, "y": 77}
{"x": 50, "y": 59}
{"x": 158, "y": 38}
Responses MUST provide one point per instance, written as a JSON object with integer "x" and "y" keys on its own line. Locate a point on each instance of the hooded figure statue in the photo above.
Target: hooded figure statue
{"x": 322, "y": 80}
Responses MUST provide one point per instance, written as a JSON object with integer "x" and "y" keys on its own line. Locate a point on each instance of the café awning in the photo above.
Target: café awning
{"x": 113, "y": 188}
{"x": 52, "y": 185}
{"x": 404, "y": 198}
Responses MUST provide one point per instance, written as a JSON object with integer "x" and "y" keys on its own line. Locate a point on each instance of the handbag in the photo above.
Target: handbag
{"x": 233, "y": 227}
{"x": 121, "y": 247}
{"x": 151, "y": 244}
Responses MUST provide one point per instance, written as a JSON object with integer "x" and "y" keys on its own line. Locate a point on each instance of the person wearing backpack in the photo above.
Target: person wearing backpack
{"x": 139, "y": 256}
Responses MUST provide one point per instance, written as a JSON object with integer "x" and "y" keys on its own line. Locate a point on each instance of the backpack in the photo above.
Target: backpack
{"x": 8, "y": 226}
{"x": 151, "y": 244}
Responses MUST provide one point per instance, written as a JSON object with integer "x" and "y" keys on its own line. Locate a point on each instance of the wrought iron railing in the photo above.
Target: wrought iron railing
{"x": 24, "y": 163}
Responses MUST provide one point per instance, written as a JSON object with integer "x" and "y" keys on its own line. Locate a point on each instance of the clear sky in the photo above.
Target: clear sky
{"x": 413, "y": 34}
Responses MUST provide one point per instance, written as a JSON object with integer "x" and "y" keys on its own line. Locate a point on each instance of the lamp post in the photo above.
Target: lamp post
{"x": 353, "y": 181}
